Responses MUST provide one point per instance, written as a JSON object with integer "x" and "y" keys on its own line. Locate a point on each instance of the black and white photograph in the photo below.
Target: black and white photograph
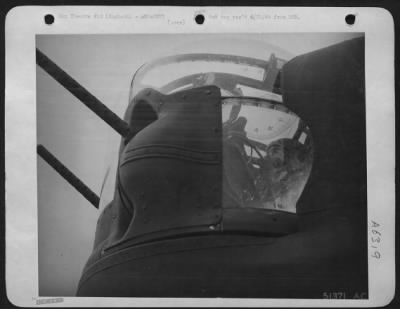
{"x": 203, "y": 165}
{"x": 232, "y": 167}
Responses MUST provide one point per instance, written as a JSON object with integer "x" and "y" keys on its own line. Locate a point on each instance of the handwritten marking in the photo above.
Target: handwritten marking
{"x": 376, "y": 239}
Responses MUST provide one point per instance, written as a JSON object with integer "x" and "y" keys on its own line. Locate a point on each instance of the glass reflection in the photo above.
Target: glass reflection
{"x": 267, "y": 155}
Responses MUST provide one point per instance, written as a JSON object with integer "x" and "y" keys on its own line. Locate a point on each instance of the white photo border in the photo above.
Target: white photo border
{"x": 24, "y": 23}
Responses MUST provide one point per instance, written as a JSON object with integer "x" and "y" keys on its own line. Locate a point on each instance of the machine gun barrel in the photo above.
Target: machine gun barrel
{"x": 68, "y": 175}
{"x": 81, "y": 93}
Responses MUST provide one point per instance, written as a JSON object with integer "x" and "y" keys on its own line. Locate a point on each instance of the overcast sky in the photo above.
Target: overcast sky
{"x": 104, "y": 64}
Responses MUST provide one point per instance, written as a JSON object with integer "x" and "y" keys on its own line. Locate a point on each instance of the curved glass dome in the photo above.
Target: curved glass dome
{"x": 239, "y": 67}
{"x": 267, "y": 149}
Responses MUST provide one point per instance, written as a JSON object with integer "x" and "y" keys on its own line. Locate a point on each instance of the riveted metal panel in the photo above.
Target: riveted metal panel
{"x": 171, "y": 171}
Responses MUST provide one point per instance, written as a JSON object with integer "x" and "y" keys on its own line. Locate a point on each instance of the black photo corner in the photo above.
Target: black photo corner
{"x": 218, "y": 254}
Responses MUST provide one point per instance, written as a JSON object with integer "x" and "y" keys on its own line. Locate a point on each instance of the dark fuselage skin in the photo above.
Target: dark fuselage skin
{"x": 318, "y": 258}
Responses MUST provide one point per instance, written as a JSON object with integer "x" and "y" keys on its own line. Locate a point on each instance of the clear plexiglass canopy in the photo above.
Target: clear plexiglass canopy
{"x": 233, "y": 66}
{"x": 267, "y": 149}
